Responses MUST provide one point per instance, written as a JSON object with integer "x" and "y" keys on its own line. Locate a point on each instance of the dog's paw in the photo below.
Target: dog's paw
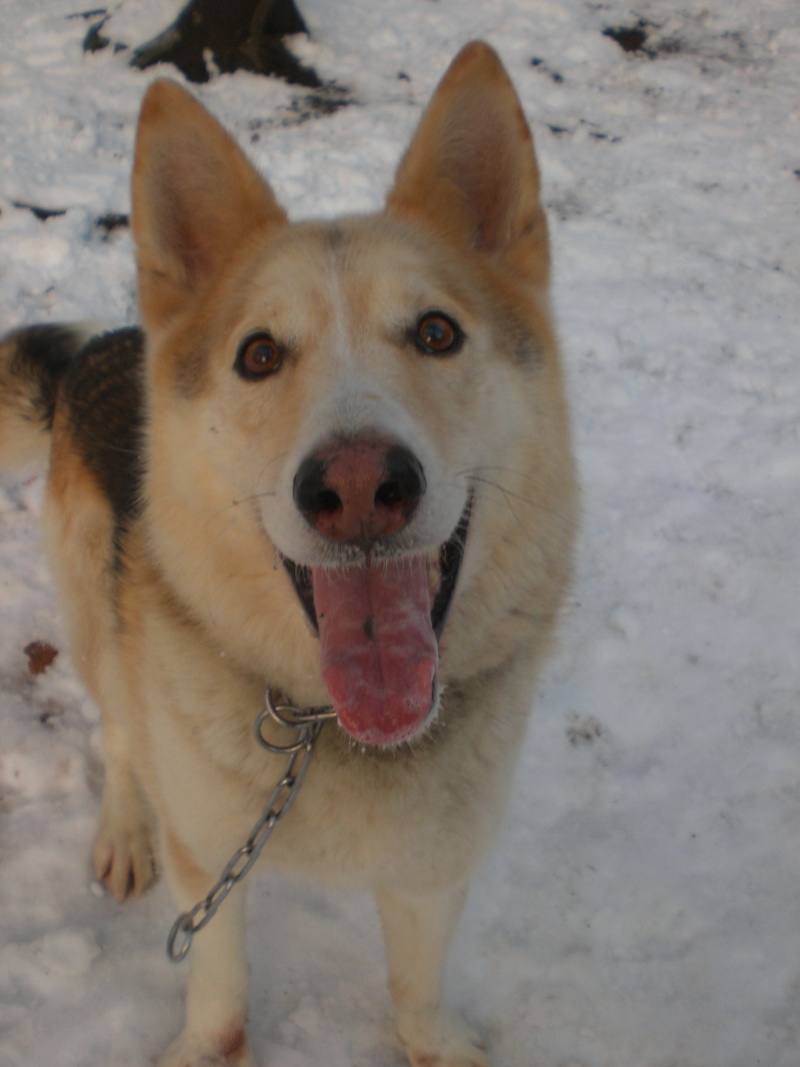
{"x": 232, "y": 1049}
{"x": 441, "y": 1041}
{"x": 123, "y": 855}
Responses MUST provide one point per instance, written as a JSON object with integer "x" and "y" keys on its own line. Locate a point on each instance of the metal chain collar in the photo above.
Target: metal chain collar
{"x": 308, "y": 723}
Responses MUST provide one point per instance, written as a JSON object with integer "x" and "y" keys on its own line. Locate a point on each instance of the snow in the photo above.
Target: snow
{"x": 642, "y": 905}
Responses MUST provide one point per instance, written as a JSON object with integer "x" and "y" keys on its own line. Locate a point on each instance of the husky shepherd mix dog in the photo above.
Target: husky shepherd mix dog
{"x": 335, "y": 462}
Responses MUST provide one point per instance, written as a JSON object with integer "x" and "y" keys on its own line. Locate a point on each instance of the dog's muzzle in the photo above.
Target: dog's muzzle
{"x": 379, "y": 617}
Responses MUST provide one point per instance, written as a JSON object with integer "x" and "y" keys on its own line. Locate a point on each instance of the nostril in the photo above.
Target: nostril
{"x": 404, "y": 483}
{"x": 389, "y": 495}
{"x": 326, "y": 501}
{"x": 312, "y": 495}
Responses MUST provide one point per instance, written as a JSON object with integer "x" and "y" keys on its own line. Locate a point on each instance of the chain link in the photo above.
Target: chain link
{"x": 308, "y": 723}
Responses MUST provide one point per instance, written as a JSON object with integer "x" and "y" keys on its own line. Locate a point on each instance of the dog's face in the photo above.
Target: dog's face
{"x": 341, "y": 391}
{"x": 352, "y": 369}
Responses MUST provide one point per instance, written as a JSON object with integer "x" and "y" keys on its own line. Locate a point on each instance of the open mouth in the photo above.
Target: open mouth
{"x": 379, "y": 624}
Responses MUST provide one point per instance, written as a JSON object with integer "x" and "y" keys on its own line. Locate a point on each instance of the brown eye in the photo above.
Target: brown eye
{"x": 259, "y": 355}
{"x": 437, "y": 334}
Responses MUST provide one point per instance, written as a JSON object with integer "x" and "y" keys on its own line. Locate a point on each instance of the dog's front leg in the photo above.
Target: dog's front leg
{"x": 122, "y": 851}
{"x": 418, "y": 929}
{"x": 216, "y": 995}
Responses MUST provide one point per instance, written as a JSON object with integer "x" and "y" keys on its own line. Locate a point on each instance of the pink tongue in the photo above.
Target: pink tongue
{"x": 379, "y": 652}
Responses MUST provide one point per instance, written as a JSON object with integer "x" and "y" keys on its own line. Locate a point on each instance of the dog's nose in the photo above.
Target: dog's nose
{"x": 359, "y": 490}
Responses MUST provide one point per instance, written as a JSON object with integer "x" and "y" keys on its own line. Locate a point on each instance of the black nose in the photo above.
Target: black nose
{"x": 359, "y": 490}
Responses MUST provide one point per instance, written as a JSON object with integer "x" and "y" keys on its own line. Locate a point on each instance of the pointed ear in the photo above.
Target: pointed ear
{"x": 195, "y": 198}
{"x": 471, "y": 170}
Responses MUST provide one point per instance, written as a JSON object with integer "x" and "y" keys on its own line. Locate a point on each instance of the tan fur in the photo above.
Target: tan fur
{"x": 178, "y": 643}
{"x": 78, "y": 528}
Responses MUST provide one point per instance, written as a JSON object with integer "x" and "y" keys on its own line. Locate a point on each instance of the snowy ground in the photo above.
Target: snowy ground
{"x": 642, "y": 907}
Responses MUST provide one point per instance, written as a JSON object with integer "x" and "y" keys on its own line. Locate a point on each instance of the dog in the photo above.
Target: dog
{"x": 333, "y": 463}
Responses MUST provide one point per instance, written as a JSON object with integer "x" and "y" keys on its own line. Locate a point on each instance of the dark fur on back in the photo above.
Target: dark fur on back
{"x": 41, "y": 357}
{"x": 89, "y": 388}
{"x": 103, "y": 401}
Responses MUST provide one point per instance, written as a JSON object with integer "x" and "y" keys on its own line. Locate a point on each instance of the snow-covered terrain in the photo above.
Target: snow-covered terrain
{"x": 642, "y": 905}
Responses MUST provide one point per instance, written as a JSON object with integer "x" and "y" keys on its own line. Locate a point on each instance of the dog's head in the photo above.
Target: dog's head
{"x": 346, "y": 392}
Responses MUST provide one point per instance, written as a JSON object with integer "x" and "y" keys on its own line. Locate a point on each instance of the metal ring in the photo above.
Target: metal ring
{"x": 279, "y": 750}
{"x": 182, "y": 925}
{"x": 305, "y": 721}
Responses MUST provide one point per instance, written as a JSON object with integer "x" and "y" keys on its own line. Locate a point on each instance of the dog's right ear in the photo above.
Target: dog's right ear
{"x": 195, "y": 196}
{"x": 470, "y": 171}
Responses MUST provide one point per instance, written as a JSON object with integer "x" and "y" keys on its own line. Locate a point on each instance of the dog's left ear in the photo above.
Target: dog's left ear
{"x": 471, "y": 171}
{"x": 196, "y": 198}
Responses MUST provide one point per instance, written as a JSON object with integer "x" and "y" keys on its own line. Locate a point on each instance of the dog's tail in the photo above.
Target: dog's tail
{"x": 33, "y": 362}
